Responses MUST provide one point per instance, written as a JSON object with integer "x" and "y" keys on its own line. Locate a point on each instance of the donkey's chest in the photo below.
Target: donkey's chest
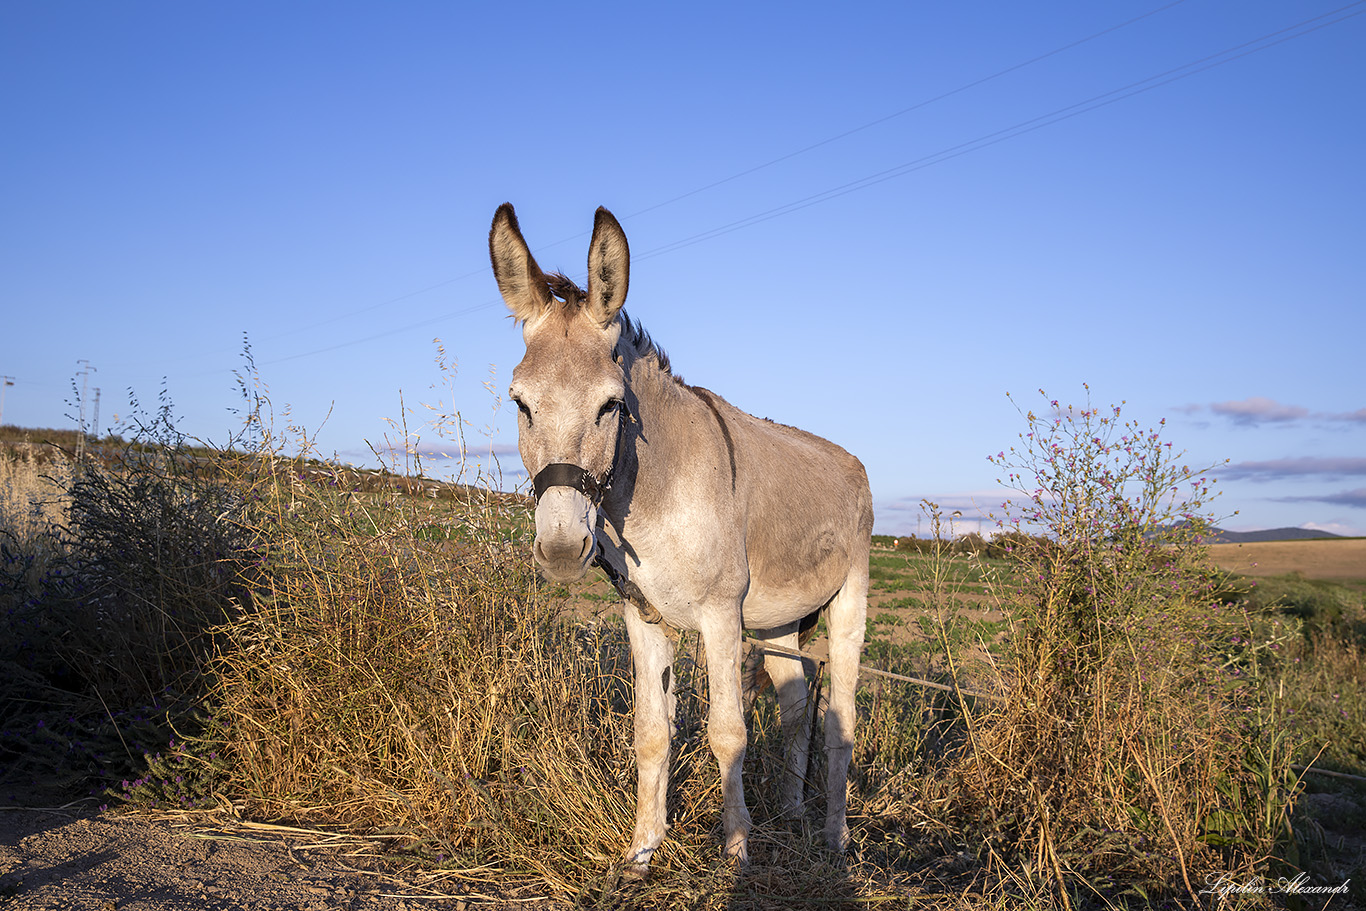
{"x": 659, "y": 590}
{"x": 667, "y": 576}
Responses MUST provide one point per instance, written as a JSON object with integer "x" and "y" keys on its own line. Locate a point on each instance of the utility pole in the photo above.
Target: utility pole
{"x": 95, "y": 424}
{"x": 7, "y": 381}
{"x": 85, "y": 379}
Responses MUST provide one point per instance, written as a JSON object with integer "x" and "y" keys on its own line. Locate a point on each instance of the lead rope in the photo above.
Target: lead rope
{"x": 628, "y": 590}
{"x": 865, "y": 669}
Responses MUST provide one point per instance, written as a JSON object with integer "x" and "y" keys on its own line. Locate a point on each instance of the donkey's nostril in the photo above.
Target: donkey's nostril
{"x": 555, "y": 552}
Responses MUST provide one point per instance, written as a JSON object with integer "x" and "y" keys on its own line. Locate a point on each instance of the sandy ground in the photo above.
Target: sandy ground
{"x": 1338, "y": 560}
{"x": 66, "y": 860}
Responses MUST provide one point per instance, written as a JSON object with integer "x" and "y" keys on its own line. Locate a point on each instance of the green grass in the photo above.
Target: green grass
{"x": 916, "y": 572}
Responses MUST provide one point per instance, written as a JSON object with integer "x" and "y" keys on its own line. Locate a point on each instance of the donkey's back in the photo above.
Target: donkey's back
{"x": 808, "y": 517}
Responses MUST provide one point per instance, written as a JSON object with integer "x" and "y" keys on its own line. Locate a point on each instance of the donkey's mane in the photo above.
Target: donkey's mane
{"x": 634, "y": 339}
{"x": 563, "y": 287}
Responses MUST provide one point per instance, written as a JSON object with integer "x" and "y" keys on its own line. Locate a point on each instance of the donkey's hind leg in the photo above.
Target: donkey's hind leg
{"x": 789, "y": 674}
{"x": 847, "y": 614}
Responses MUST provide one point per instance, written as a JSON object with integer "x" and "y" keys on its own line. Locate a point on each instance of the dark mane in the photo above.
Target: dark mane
{"x": 563, "y": 287}
{"x": 634, "y": 339}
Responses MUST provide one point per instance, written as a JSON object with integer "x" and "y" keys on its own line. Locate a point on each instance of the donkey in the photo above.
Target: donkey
{"x": 704, "y": 517}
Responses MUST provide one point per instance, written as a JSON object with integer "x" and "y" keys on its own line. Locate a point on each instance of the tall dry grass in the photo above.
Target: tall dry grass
{"x": 399, "y": 668}
{"x": 306, "y": 642}
{"x": 34, "y": 505}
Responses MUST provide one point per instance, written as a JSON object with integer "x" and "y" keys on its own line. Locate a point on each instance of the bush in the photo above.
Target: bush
{"x": 914, "y": 545}
{"x": 398, "y": 667}
{"x": 111, "y": 587}
{"x": 1138, "y": 747}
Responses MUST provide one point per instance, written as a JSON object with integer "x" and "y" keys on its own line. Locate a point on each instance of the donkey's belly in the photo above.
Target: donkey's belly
{"x": 789, "y": 583}
{"x": 769, "y": 605}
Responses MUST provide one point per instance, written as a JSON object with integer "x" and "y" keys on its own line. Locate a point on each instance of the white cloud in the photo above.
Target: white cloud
{"x": 1358, "y": 416}
{"x": 1301, "y": 467}
{"x": 1335, "y": 528}
{"x": 1259, "y": 410}
{"x": 1354, "y": 498}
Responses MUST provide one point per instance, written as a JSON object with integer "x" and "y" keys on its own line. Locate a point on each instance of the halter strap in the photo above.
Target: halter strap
{"x": 565, "y": 474}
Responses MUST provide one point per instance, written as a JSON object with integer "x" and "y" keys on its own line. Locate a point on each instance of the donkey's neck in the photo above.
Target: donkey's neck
{"x": 655, "y": 399}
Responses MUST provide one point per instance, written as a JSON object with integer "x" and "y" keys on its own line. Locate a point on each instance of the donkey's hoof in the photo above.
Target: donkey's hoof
{"x": 737, "y": 848}
{"x": 837, "y": 837}
{"x": 636, "y": 866}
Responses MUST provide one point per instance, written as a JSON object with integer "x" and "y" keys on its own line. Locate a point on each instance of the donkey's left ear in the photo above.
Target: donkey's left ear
{"x": 609, "y": 268}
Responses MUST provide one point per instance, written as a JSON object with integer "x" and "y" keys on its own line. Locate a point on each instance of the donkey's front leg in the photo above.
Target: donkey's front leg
{"x": 652, "y": 654}
{"x": 726, "y": 724}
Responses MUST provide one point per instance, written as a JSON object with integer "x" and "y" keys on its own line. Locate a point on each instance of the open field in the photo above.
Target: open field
{"x": 1331, "y": 559}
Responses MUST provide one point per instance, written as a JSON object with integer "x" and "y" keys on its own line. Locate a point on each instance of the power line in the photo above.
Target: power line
{"x": 1095, "y": 102}
{"x": 750, "y": 170}
{"x": 1058, "y": 115}
{"x": 1019, "y": 129}
{"x": 369, "y": 338}
{"x": 907, "y": 110}
{"x": 370, "y": 307}
{"x": 488, "y": 304}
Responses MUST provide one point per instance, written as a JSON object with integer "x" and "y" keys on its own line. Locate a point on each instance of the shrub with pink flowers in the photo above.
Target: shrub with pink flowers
{"x": 1138, "y": 748}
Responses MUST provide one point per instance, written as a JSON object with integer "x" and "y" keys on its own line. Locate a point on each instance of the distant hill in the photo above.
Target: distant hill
{"x": 1219, "y": 536}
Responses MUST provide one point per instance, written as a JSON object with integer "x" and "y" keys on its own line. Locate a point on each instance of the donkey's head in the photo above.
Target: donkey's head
{"x": 569, "y": 388}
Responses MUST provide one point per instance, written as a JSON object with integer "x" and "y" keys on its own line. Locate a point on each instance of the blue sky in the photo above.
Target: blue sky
{"x": 872, "y": 221}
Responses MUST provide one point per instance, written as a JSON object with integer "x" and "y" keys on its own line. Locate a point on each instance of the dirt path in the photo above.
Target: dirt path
{"x": 72, "y": 861}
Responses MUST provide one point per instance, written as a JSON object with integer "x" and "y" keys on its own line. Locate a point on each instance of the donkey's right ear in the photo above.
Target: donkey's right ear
{"x": 520, "y": 280}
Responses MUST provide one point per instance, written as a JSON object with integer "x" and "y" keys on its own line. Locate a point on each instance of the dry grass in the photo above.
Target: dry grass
{"x": 1342, "y": 559}
{"x": 34, "y": 503}
{"x": 399, "y": 668}
{"x": 391, "y": 664}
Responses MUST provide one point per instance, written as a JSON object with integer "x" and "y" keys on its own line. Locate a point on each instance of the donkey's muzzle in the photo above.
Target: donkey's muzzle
{"x": 565, "y": 521}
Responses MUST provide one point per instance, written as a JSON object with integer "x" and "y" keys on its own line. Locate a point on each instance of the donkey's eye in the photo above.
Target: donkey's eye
{"x": 522, "y": 407}
{"x": 608, "y": 407}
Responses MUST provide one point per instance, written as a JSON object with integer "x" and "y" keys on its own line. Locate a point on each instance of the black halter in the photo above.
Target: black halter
{"x": 567, "y": 474}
